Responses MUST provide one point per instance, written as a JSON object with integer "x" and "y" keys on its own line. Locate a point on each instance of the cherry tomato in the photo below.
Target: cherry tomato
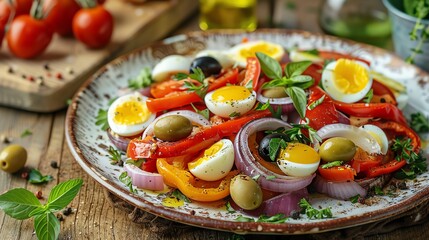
{"x": 61, "y": 15}
{"x": 4, "y": 13}
{"x": 28, "y": 37}
{"x": 93, "y": 26}
{"x": 253, "y": 70}
{"x": 22, "y": 7}
{"x": 1, "y": 34}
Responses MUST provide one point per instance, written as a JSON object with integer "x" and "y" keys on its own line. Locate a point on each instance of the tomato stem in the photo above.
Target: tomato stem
{"x": 87, "y": 3}
{"x": 37, "y": 10}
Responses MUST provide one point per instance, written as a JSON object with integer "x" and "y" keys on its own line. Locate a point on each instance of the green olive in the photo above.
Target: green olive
{"x": 245, "y": 192}
{"x": 337, "y": 149}
{"x": 172, "y": 128}
{"x": 13, "y": 158}
{"x": 274, "y": 92}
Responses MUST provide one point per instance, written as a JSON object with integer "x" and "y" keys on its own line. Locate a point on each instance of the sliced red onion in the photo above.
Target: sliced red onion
{"x": 120, "y": 142}
{"x": 143, "y": 179}
{"x": 359, "y": 136}
{"x": 338, "y": 190}
{"x": 246, "y": 162}
{"x": 194, "y": 117}
{"x": 285, "y": 102}
{"x": 284, "y": 203}
{"x": 342, "y": 118}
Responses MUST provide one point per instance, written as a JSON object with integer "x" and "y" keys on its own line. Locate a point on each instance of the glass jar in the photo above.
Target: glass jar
{"x": 360, "y": 20}
{"x": 228, "y": 14}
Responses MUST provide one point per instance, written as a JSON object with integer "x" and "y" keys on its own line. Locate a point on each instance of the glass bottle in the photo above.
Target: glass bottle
{"x": 360, "y": 20}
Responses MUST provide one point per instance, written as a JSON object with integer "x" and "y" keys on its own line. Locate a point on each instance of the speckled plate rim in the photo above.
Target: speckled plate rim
{"x": 237, "y": 227}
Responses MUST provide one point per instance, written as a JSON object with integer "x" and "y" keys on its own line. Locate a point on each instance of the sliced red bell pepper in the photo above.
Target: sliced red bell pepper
{"x": 363, "y": 161}
{"x": 338, "y": 174}
{"x": 383, "y": 92}
{"x": 150, "y": 148}
{"x": 182, "y": 98}
{"x": 335, "y": 55}
{"x": 385, "y": 111}
{"x": 324, "y": 113}
{"x": 386, "y": 168}
{"x": 253, "y": 70}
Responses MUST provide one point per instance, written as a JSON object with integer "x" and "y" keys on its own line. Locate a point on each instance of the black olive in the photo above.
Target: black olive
{"x": 208, "y": 65}
{"x": 264, "y": 145}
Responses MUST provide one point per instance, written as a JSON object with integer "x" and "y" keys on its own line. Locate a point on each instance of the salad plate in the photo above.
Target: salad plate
{"x": 89, "y": 144}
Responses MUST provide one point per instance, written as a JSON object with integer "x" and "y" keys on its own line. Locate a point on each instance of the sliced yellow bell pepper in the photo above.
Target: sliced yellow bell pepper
{"x": 192, "y": 187}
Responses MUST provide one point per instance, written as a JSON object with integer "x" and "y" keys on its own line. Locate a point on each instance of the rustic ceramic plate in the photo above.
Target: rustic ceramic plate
{"x": 89, "y": 144}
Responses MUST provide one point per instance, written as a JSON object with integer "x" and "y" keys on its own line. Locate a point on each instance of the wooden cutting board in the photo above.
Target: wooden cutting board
{"x": 46, "y": 83}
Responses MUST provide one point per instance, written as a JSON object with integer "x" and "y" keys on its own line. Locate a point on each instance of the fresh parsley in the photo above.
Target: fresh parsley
{"x": 137, "y": 163}
{"x": 115, "y": 155}
{"x": 275, "y": 146}
{"x": 36, "y": 177}
{"x": 368, "y": 97}
{"x": 296, "y": 134}
{"x": 293, "y": 82}
{"x": 378, "y": 191}
{"x": 419, "y": 122}
{"x": 316, "y": 103}
{"x": 101, "y": 119}
{"x": 205, "y": 113}
{"x": 26, "y": 133}
{"x": 144, "y": 79}
{"x": 179, "y": 195}
{"x": 277, "y": 113}
{"x": 125, "y": 179}
{"x": 355, "y": 199}
{"x": 19, "y": 203}
{"x": 228, "y": 207}
{"x": 332, "y": 164}
{"x": 278, "y": 218}
{"x": 312, "y": 212}
{"x": 416, "y": 163}
{"x": 234, "y": 114}
{"x": 197, "y": 74}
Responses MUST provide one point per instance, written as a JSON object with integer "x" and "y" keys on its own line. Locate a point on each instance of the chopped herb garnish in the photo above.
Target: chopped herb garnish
{"x": 115, "y": 155}
{"x": 144, "y": 79}
{"x": 36, "y": 177}
{"x": 179, "y": 195}
{"x": 229, "y": 208}
{"x": 354, "y": 199}
{"x": 68, "y": 102}
{"x": 419, "y": 122}
{"x": 414, "y": 167}
{"x": 296, "y": 134}
{"x": 332, "y": 164}
{"x": 197, "y": 75}
{"x": 270, "y": 177}
{"x": 277, "y": 113}
{"x": 205, "y": 113}
{"x": 293, "y": 82}
{"x": 312, "y": 212}
{"x": 125, "y": 179}
{"x": 378, "y": 191}
{"x": 275, "y": 146}
{"x": 256, "y": 178}
{"x": 368, "y": 97}
{"x": 403, "y": 149}
{"x": 26, "y": 133}
{"x": 278, "y": 218}
{"x": 314, "y": 52}
{"x": 101, "y": 119}
{"x": 137, "y": 163}
{"x": 316, "y": 103}
{"x": 234, "y": 114}
{"x": 244, "y": 219}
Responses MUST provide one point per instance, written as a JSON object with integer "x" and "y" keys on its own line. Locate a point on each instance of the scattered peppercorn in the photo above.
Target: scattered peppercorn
{"x": 402, "y": 185}
{"x": 46, "y": 66}
{"x": 5, "y": 139}
{"x": 295, "y": 214}
{"x": 30, "y": 78}
{"x": 67, "y": 211}
{"x": 39, "y": 194}
{"x": 54, "y": 164}
{"x": 10, "y": 70}
{"x": 60, "y": 217}
{"x": 59, "y": 76}
{"x": 24, "y": 175}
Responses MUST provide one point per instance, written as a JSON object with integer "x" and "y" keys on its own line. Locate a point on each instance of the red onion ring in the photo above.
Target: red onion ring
{"x": 143, "y": 179}
{"x": 120, "y": 142}
{"x": 284, "y": 203}
{"x": 285, "y": 102}
{"x": 194, "y": 117}
{"x": 338, "y": 190}
{"x": 246, "y": 162}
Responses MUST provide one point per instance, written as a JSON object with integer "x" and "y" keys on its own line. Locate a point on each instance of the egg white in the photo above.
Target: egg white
{"x": 128, "y": 129}
{"x": 330, "y": 87}
{"x": 170, "y": 65}
{"x": 379, "y": 136}
{"x": 231, "y": 108}
{"x": 241, "y": 60}
{"x": 214, "y": 166}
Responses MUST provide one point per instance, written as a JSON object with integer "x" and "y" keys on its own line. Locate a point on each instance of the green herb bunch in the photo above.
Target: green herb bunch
{"x": 293, "y": 82}
{"x": 21, "y": 204}
{"x": 420, "y": 10}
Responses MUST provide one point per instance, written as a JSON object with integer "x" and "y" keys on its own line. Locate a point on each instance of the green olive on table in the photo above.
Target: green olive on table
{"x": 172, "y": 128}
{"x": 274, "y": 92}
{"x": 245, "y": 192}
{"x": 13, "y": 158}
{"x": 337, "y": 149}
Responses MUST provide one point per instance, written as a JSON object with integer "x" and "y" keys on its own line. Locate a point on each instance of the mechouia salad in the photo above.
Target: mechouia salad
{"x": 259, "y": 128}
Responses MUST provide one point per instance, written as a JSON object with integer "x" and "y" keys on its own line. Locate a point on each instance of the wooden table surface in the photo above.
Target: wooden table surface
{"x": 94, "y": 216}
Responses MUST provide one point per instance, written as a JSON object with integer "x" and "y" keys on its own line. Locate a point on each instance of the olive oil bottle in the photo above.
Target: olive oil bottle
{"x": 228, "y": 14}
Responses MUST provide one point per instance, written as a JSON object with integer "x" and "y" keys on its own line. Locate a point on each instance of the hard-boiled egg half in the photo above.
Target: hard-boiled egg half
{"x": 230, "y": 101}
{"x": 215, "y": 163}
{"x": 346, "y": 80}
{"x": 128, "y": 115}
{"x": 242, "y": 51}
{"x": 298, "y": 160}
{"x": 170, "y": 65}
{"x": 378, "y": 135}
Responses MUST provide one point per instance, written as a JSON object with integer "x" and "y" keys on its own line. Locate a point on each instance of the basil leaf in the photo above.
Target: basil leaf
{"x": 293, "y": 69}
{"x": 19, "y": 203}
{"x": 275, "y": 145}
{"x": 269, "y": 66}
{"x": 47, "y": 226}
{"x": 302, "y": 81}
{"x": 36, "y": 177}
{"x": 299, "y": 99}
{"x": 62, "y": 194}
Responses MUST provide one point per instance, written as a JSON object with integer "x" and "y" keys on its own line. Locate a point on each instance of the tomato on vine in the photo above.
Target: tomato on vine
{"x": 93, "y": 24}
{"x": 28, "y": 35}
{"x": 60, "y": 15}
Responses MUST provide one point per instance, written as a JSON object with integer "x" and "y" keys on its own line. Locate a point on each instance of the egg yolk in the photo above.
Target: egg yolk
{"x": 349, "y": 76}
{"x": 131, "y": 112}
{"x": 299, "y": 153}
{"x": 266, "y": 48}
{"x": 230, "y": 94}
{"x": 211, "y": 151}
